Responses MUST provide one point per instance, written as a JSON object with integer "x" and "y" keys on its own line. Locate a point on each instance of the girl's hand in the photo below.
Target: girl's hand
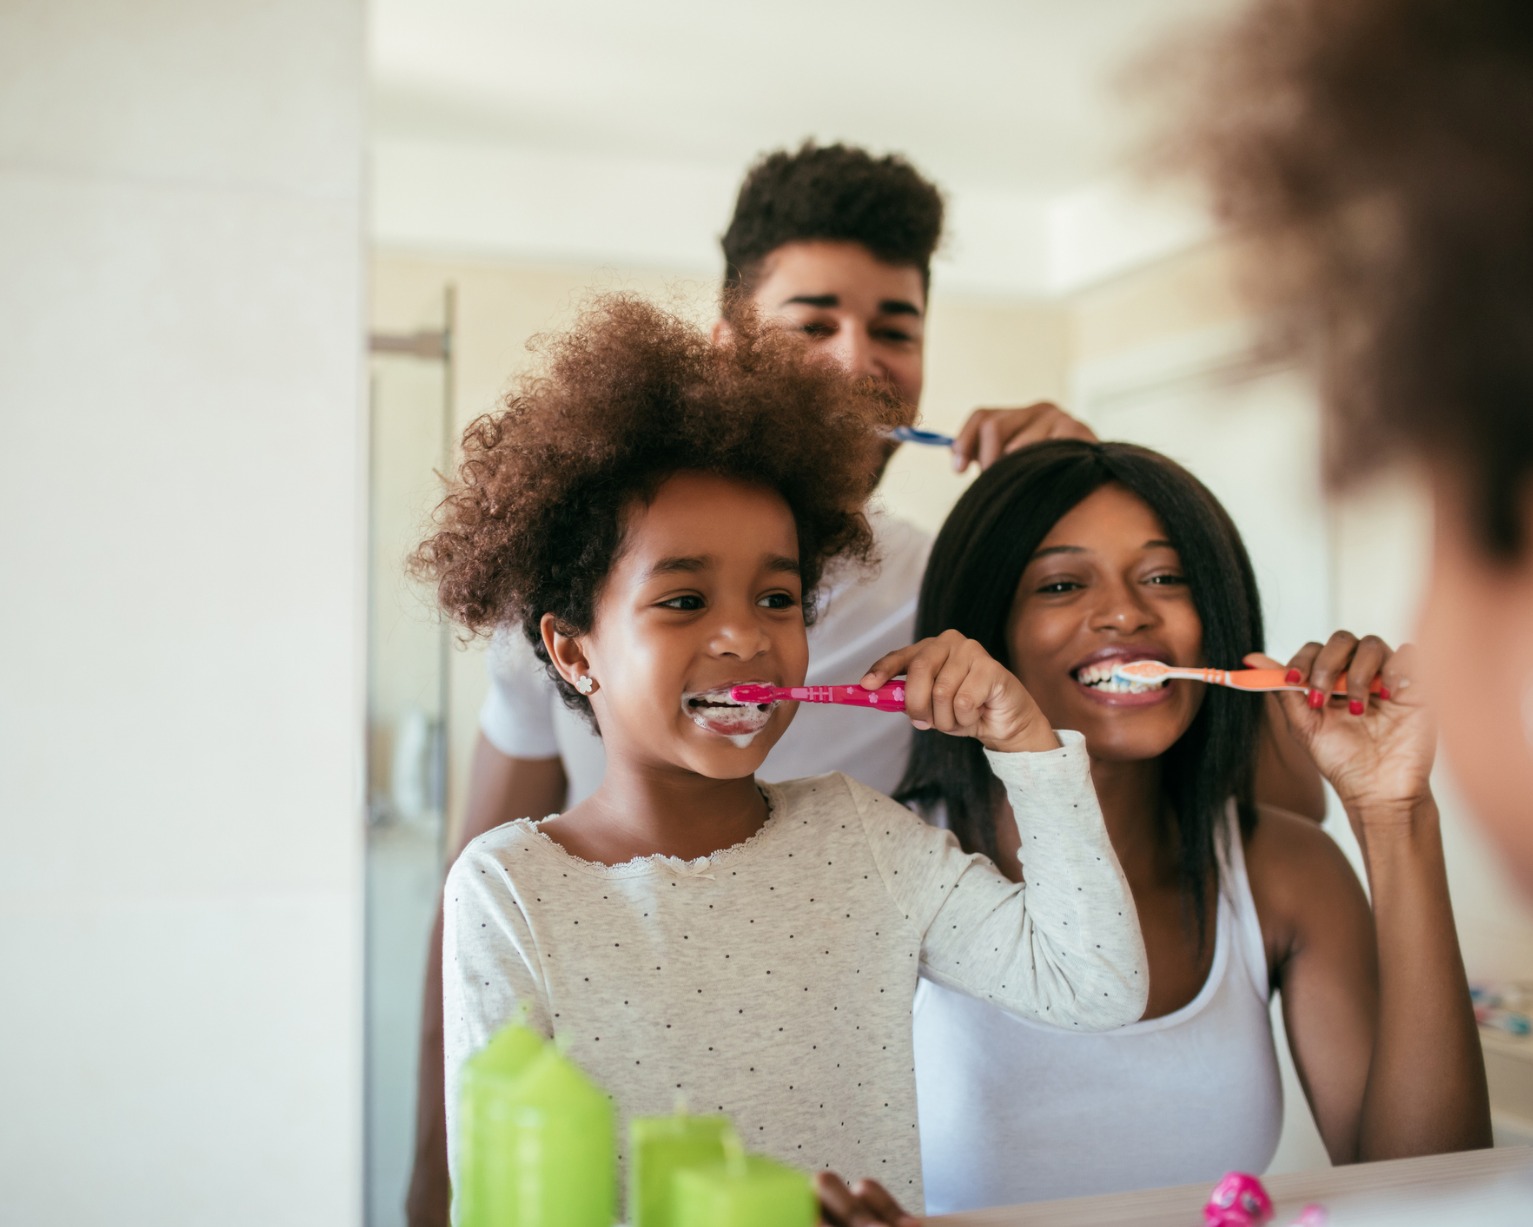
{"x": 1376, "y": 751}
{"x": 954, "y": 686}
{"x": 865, "y": 1204}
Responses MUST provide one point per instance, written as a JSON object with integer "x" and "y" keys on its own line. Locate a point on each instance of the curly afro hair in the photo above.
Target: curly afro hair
{"x": 534, "y": 519}
{"x": 831, "y": 192}
{"x": 1381, "y": 154}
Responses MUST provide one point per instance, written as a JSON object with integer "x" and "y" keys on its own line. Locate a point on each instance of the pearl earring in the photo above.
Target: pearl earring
{"x": 585, "y": 683}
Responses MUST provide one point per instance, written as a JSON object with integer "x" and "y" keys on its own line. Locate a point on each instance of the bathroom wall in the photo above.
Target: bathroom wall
{"x": 181, "y": 456}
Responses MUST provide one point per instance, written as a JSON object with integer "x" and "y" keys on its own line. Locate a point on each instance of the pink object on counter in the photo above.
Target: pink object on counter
{"x": 885, "y": 698}
{"x": 1238, "y": 1200}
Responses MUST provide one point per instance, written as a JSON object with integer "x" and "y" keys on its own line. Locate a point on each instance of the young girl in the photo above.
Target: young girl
{"x": 654, "y": 512}
{"x": 1062, "y": 560}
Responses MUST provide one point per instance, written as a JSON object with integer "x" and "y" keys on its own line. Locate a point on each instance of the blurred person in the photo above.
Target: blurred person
{"x": 1376, "y": 155}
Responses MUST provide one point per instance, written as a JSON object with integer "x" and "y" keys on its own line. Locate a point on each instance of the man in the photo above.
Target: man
{"x": 836, "y": 246}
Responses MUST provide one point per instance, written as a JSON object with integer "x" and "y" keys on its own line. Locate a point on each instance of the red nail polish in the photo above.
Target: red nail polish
{"x": 1384, "y": 693}
{"x": 1355, "y": 706}
{"x": 1316, "y": 699}
{"x": 1293, "y": 677}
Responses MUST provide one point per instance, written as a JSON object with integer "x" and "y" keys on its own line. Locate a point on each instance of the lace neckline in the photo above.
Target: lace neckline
{"x": 700, "y": 866}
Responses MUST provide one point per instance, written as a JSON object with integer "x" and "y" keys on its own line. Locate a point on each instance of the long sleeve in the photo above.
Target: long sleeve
{"x": 1064, "y": 947}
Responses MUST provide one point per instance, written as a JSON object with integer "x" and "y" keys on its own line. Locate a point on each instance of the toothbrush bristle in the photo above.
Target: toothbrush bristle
{"x": 751, "y": 692}
{"x": 1139, "y": 670}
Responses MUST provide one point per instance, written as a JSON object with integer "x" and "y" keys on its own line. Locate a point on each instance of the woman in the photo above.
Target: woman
{"x": 1061, "y": 560}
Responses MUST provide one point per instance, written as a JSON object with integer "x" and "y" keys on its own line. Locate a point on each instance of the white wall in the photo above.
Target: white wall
{"x": 181, "y": 697}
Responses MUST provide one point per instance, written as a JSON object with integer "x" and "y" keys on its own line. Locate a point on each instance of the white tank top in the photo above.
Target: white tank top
{"x": 1013, "y": 1111}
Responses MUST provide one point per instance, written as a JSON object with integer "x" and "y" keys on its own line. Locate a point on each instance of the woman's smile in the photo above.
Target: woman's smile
{"x": 1095, "y": 677}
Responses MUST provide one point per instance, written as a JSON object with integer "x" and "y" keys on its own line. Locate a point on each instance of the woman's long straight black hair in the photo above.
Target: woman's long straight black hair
{"x": 971, "y": 585}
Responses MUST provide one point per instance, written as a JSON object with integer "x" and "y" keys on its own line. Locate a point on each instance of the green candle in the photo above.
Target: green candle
{"x": 544, "y": 1154}
{"x": 484, "y": 1126}
{"x": 744, "y": 1191}
{"x": 659, "y": 1147}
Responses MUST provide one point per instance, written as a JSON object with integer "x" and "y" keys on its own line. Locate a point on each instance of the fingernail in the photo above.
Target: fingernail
{"x": 1316, "y": 699}
{"x": 1384, "y": 693}
{"x": 868, "y": 677}
{"x": 923, "y": 725}
{"x": 959, "y": 462}
{"x": 1293, "y": 677}
{"x": 1355, "y": 706}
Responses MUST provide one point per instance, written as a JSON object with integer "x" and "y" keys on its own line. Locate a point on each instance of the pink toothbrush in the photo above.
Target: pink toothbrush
{"x": 1237, "y": 679}
{"x": 885, "y": 698}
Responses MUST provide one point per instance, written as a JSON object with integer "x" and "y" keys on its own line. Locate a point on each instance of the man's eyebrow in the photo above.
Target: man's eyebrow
{"x": 899, "y": 306}
{"x": 1155, "y": 543}
{"x": 813, "y": 300}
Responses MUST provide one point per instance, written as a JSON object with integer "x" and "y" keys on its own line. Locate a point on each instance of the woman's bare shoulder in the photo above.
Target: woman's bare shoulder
{"x": 1299, "y": 877}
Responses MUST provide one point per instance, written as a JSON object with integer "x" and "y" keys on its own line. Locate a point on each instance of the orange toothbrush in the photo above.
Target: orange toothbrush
{"x": 1237, "y": 679}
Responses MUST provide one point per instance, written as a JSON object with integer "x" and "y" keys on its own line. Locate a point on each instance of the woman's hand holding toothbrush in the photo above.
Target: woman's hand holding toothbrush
{"x": 954, "y": 686}
{"x": 1377, "y": 754}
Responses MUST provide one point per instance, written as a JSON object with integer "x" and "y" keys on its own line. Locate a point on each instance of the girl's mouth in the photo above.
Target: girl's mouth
{"x": 715, "y": 712}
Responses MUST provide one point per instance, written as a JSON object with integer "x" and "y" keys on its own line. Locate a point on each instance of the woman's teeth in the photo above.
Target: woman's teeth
{"x": 1099, "y": 677}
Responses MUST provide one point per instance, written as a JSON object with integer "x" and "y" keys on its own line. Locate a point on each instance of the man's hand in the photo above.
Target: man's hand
{"x": 990, "y": 434}
{"x": 864, "y": 1204}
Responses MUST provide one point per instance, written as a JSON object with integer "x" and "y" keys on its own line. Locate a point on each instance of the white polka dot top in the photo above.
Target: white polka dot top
{"x": 773, "y": 981}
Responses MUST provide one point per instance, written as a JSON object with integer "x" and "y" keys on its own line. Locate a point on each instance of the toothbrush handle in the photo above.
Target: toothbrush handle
{"x": 886, "y": 698}
{"x": 1269, "y": 679}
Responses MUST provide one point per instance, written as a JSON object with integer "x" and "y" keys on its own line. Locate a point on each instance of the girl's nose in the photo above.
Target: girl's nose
{"x": 739, "y": 635}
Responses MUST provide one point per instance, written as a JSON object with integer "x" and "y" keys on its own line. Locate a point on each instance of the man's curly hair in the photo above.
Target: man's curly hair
{"x": 1381, "y": 154}
{"x": 831, "y": 192}
{"x": 534, "y": 520}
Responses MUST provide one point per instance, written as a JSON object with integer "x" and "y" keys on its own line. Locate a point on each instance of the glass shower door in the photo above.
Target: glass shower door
{"x": 410, "y": 421}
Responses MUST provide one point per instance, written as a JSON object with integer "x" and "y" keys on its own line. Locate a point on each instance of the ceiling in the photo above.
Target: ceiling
{"x": 1012, "y": 107}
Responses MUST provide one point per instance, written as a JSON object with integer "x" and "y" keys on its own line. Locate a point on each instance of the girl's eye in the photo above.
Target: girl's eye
{"x": 779, "y": 600}
{"x": 1168, "y": 579}
{"x": 689, "y": 603}
{"x": 1058, "y": 586}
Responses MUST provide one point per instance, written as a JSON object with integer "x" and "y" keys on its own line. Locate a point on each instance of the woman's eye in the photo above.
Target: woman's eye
{"x": 690, "y": 603}
{"x": 779, "y": 600}
{"x": 1057, "y": 586}
{"x": 1170, "y": 578}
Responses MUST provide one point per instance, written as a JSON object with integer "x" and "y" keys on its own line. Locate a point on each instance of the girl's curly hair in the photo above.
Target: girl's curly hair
{"x": 1380, "y": 153}
{"x": 534, "y": 519}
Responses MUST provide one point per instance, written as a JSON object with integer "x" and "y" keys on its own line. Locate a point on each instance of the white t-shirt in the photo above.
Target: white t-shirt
{"x": 862, "y": 615}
